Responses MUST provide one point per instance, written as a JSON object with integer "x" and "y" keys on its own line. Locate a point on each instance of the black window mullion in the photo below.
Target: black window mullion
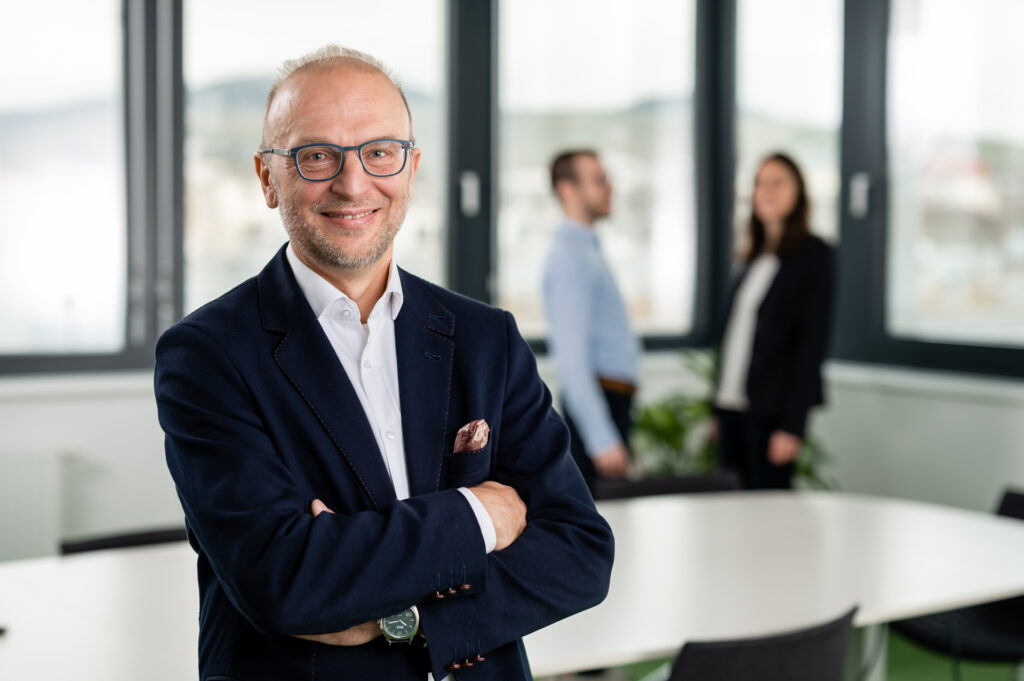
{"x": 715, "y": 116}
{"x": 861, "y": 255}
{"x": 472, "y": 87}
{"x": 167, "y": 254}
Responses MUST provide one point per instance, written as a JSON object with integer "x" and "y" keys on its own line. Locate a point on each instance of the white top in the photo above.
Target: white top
{"x": 367, "y": 353}
{"x": 738, "y": 343}
{"x": 687, "y": 567}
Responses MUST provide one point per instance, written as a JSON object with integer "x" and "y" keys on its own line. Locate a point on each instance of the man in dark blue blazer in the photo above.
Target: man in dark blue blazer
{"x": 371, "y": 471}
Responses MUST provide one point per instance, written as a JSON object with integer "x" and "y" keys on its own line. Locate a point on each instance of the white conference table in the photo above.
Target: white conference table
{"x": 688, "y": 567}
{"x": 733, "y": 565}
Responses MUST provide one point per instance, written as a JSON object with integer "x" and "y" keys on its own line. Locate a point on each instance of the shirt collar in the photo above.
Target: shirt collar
{"x": 321, "y": 293}
{"x": 578, "y": 230}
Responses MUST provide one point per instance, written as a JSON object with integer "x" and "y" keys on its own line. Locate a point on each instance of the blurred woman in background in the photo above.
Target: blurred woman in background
{"x": 776, "y": 333}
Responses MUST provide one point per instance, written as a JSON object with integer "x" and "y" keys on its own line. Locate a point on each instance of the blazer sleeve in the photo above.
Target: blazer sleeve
{"x": 561, "y": 564}
{"x": 284, "y": 570}
{"x": 815, "y": 322}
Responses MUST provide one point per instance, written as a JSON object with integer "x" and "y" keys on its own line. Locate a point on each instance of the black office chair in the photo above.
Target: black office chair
{"x": 991, "y": 632}
{"x": 715, "y": 481}
{"x": 817, "y": 653}
{"x": 123, "y": 540}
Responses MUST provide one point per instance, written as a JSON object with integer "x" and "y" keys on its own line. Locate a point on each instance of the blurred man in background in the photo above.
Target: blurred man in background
{"x": 589, "y": 335}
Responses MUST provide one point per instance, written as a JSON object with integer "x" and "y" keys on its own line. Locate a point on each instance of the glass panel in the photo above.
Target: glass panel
{"x": 789, "y": 95}
{"x": 62, "y": 219}
{"x": 617, "y": 78}
{"x": 229, "y": 232}
{"x": 956, "y": 159}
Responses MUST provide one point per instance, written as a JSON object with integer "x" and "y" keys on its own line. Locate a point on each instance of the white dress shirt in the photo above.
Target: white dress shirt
{"x": 738, "y": 343}
{"x": 367, "y": 353}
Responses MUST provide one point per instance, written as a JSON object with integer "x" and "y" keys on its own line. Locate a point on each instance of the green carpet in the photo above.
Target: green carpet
{"x": 910, "y": 662}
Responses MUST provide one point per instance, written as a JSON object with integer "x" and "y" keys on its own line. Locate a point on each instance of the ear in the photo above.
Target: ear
{"x": 263, "y": 172}
{"x": 415, "y": 163}
{"x": 565, "y": 190}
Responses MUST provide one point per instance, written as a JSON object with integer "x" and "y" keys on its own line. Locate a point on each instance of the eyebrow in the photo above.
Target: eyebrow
{"x": 302, "y": 141}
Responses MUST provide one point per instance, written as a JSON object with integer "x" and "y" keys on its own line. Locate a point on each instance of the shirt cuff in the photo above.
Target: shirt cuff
{"x": 482, "y": 518}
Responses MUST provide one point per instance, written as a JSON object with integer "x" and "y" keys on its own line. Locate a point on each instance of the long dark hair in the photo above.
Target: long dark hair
{"x": 796, "y": 223}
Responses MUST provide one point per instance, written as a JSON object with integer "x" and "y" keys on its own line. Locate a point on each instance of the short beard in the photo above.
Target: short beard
{"x": 313, "y": 241}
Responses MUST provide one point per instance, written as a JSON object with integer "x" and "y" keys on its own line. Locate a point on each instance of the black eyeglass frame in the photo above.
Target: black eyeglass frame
{"x": 294, "y": 151}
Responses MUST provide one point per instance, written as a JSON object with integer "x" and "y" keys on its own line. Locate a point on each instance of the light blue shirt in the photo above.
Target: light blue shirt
{"x": 588, "y": 331}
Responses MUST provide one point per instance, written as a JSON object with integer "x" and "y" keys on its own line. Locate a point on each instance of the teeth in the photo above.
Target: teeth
{"x": 351, "y": 217}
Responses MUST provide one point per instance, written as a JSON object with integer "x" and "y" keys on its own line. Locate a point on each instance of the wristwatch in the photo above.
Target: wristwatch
{"x": 400, "y": 627}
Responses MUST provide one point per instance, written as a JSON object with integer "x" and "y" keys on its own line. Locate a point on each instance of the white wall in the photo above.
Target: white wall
{"x": 104, "y": 428}
{"x": 943, "y": 438}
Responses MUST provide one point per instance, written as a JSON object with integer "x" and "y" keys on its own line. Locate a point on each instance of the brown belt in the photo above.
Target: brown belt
{"x": 614, "y": 386}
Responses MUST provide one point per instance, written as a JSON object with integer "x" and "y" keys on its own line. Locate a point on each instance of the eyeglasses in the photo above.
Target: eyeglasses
{"x": 322, "y": 162}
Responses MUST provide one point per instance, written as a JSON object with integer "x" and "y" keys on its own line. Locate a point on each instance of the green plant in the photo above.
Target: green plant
{"x": 673, "y": 435}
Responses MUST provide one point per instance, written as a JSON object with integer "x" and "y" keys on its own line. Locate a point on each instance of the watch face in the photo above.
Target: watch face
{"x": 401, "y": 625}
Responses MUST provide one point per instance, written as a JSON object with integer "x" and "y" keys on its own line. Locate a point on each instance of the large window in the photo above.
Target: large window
{"x": 789, "y": 99}
{"x": 229, "y": 232}
{"x": 63, "y": 259}
{"x": 150, "y": 205}
{"x": 956, "y": 159}
{"x": 618, "y": 78}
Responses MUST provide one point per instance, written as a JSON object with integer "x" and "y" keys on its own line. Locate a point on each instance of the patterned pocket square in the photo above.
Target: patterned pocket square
{"x": 472, "y": 437}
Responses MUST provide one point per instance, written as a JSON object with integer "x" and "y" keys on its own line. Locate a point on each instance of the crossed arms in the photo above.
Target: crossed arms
{"x": 242, "y": 456}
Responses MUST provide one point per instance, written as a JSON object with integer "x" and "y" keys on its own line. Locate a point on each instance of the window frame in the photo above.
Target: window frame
{"x": 473, "y": 58}
{"x": 861, "y": 330}
{"x": 151, "y": 93}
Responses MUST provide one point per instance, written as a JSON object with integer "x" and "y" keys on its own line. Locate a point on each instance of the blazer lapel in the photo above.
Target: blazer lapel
{"x": 424, "y": 341}
{"x": 306, "y": 357}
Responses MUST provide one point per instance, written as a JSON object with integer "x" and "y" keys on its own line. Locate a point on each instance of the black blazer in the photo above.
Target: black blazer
{"x": 791, "y": 337}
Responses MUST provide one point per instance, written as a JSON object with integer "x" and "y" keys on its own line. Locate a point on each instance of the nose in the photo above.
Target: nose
{"x": 352, "y": 180}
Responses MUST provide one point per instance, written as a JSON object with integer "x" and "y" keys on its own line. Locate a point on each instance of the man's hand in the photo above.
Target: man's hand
{"x": 506, "y": 510}
{"x": 612, "y": 462}
{"x": 353, "y": 636}
{"x": 783, "y": 447}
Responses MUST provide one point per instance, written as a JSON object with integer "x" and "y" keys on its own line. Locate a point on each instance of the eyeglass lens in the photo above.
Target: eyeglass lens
{"x": 378, "y": 158}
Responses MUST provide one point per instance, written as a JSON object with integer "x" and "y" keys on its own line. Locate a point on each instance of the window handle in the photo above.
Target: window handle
{"x": 469, "y": 193}
{"x": 860, "y": 195}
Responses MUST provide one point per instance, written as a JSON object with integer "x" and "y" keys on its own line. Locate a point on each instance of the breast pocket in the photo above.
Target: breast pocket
{"x": 466, "y": 469}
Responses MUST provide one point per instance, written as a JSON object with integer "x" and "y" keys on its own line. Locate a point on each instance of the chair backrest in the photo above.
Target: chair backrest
{"x": 813, "y": 654}
{"x": 617, "y": 488}
{"x": 120, "y": 541}
{"x": 1012, "y": 504}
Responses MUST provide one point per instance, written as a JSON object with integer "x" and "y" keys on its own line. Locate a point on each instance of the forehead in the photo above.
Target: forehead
{"x": 774, "y": 170}
{"x": 344, "y": 105}
{"x": 587, "y": 165}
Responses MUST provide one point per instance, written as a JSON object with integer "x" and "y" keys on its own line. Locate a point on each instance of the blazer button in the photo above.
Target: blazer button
{"x": 438, "y": 596}
{"x": 467, "y": 663}
{"x": 479, "y": 658}
{"x": 465, "y": 587}
{"x": 451, "y": 591}
{"x": 454, "y": 666}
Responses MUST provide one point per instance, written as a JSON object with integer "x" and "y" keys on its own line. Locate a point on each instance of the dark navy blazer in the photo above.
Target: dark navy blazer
{"x": 260, "y": 419}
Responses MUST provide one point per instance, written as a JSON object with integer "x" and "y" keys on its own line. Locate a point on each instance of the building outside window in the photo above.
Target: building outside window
{"x": 617, "y": 78}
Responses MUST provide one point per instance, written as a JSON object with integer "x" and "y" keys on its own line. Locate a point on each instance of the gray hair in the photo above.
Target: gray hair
{"x": 324, "y": 59}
